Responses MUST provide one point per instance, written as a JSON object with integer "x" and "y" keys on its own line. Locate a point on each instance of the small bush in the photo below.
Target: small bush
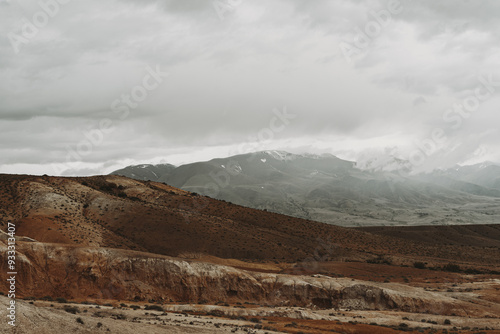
{"x": 419, "y": 265}
{"x": 153, "y": 308}
{"x": 471, "y": 271}
{"x": 380, "y": 260}
{"x": 454, "y": 268}
{"x": 79, "y": 320}
{"x": 71, "y": 309}
{"x": 61, "y": 300}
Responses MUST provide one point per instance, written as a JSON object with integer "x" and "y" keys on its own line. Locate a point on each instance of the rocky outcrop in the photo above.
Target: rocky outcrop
{"x": 99, "y": 273}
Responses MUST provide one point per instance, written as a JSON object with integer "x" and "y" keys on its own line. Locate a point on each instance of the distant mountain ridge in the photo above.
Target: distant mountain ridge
{"x": 328, "y": 189}
{"x": 146, "y": 172}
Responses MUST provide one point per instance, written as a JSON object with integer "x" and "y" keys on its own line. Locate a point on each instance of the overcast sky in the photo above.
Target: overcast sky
{"x": 84, "y": 87}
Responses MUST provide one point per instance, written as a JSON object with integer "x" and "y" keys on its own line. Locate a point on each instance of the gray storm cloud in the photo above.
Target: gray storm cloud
{"x": 69, "y": 69}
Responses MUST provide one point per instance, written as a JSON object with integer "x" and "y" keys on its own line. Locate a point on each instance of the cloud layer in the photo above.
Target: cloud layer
{"x": 79, "y": 94}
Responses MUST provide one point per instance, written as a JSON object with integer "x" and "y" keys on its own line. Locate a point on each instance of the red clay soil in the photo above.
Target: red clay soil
{"x": 114, "y": 211}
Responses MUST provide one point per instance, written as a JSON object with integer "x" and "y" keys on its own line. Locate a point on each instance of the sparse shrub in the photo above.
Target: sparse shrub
{"x": 380, "y": 260}
{"x": 216, "y": 313}
{"x": 61, "y": 300}
{"x": 122, "y": 194}
{"x": 105, "y": 188}
{"x": 135, "y": 307}
{"x": 99, "y": 314}
{"x": 472, "y": 271}
{"x": 153, "y": 308}
{"x": 79, "y": 320}
{"x": 447, "y": 322}
{"x": 71, "y": 309}
{"x": 419, "y": 265}
{"x": 454, "y": 268}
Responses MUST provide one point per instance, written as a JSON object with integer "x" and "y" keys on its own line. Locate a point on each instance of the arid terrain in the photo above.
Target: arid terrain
{"x": 112, "y": 254}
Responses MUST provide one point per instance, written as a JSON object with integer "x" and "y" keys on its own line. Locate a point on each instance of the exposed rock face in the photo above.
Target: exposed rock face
{"x": 87, "y": 273}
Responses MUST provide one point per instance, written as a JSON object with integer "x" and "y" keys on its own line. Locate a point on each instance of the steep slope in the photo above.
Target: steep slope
{"x": 114, "y": 211}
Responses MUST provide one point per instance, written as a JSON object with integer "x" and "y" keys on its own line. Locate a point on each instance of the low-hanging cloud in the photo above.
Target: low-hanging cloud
{"x": 227, "y": 73}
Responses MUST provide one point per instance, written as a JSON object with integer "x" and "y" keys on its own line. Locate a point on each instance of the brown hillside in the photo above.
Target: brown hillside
{"x": 114, "y": 211}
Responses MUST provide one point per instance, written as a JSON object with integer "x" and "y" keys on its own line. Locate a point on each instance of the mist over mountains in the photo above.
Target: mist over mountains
{"x": 328, "y": 189}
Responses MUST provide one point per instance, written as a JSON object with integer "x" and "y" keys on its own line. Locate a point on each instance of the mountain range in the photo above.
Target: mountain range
{"x": 328, "y": 189}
